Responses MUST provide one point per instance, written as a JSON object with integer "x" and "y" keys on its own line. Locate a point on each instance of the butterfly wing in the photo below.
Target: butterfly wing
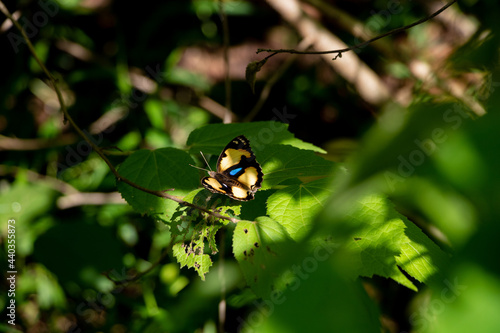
{"x": 220, "y": 183}
{"x": 238, "y": 174}
{"x": 237, "y": 161}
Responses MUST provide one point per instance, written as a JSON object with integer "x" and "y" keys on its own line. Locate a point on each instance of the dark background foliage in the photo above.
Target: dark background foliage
{"x": 145, "y": 75}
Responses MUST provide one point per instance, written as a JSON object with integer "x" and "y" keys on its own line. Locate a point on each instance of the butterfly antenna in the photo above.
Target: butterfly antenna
{"x": 205, "y": 161}
{"x": 194, "y": 166}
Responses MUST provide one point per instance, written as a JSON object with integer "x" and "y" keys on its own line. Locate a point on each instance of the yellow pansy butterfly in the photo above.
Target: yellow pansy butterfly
{"x": 238, "y": 174}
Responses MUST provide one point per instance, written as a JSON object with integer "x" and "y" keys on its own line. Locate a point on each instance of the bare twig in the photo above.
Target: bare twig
{"x": 68, "y": 117}
{"x": 7, "y": 143}
{"x": 363, "y": 44}
{"x": 89, "y": 198}
{"x": 52, "y": 182}
{"x": 216, "y": 109}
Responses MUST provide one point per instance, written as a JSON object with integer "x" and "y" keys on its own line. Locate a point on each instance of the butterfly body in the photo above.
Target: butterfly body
{"x": 238, "y": 174}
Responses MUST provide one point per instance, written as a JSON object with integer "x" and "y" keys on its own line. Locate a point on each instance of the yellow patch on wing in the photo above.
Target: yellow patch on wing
{"x": 249, "y": 177}
{"x": 214, "y": 183}
{"x": 233, "y": 156}
{"x": 239, "y": 193}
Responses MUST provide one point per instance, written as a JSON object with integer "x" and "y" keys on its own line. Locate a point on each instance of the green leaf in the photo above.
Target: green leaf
{"x": 385, "y": 239}
{"x": 448, "y": 210}
{"x": 19, "y": 202}
{"x": 187, "y": 257}
{"x": 295, "y": 206}
{"x": 282, "y": 162}
{"x": 376, "y": 250}
{"x": 188, "y": 78}
{"x": 27, "y": 204}
{"x": 182, "y": 221}
{"x": 315, "y": 293}
{"x": 222, "y": 203}
{"x": 251, "y": 72}
{"x": 86, "y": 176}
{"x": 200, "y": 229}
{"x": 211, "y": 139}
{"x": 49, "y": 292}
{"x": 420, "y": 256}
{"x": 159, "y": 170}
{"x": 465, "y": 302}
{"x": 256, "y": 207}
{"x": 257, "y": 245}
{"x": 403, "y": 142}
{"x": 156, "y": 114}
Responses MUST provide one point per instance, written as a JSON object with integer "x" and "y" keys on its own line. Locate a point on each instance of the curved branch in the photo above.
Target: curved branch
{"x": 360, "y": 45}
{"x": 68, "y": 117}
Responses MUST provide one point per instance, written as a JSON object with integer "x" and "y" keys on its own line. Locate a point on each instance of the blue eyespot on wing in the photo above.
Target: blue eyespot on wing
{"x": 234, "y": 172}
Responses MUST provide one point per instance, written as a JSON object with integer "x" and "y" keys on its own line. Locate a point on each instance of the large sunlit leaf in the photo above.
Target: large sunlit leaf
{"x": 384, "y": 240}
{"x": 295, "y": 206}
{"x": 257, "y": 245}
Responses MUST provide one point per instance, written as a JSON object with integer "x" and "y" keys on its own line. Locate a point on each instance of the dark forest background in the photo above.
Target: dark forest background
{"x": 412, "y": 116}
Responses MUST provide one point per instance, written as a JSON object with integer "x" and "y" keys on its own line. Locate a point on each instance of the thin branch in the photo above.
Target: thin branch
{"x": 363, "y": 44}
{"x": 89, "y": 198}
{"x": 216, "y": 109}
{"x": 68, "y": 117}
{"x": 7, "y": 143}
{"x": 52, "y": 182}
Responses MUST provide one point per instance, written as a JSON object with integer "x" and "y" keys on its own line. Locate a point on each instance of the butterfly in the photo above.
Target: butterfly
{"x": 238, "y": 174}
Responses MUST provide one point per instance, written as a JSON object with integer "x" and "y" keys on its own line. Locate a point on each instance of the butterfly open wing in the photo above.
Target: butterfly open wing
{"x": 238, "y": 174}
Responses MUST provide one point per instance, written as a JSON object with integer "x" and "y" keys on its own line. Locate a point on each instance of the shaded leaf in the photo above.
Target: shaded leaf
{"x": 282, "y": 162}
{"x": 211, "y": 139}
{"x": 159, "y": 169}
{"x": 251, "y": 72}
